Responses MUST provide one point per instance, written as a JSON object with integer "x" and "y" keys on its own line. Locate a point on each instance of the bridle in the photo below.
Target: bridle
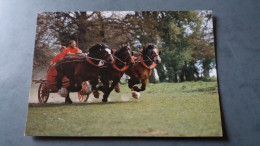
{"x": 153, "y": 65}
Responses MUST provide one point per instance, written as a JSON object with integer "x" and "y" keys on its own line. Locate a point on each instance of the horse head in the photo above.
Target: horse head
{"x": 101, "y": 51}
{"x": 124, "y": 54}
{"x": 152, "y": 53}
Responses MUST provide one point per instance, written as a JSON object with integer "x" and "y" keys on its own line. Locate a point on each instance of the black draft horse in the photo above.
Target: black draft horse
{"x": 122, "y": 60}
{"x": 83, "y": 69}
{"x": 141, "y": 70}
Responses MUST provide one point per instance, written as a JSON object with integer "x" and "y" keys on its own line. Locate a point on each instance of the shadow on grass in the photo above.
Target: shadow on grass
{"x": 76, "y": 104}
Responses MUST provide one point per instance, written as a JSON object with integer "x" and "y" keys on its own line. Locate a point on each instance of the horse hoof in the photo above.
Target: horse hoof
{"x": 135, "y": 94}
{"x": 117, "y": 90}
{"x": 96, "y": 93}
{"x": 68, "y": 102}
{"x": 104, "y": 100}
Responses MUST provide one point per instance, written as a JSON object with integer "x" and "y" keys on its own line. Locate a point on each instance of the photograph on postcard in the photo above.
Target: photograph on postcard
{"x": 124, "y": 73}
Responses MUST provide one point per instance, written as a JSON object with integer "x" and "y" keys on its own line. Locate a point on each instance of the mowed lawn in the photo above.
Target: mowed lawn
{"x": 166, "y": 109}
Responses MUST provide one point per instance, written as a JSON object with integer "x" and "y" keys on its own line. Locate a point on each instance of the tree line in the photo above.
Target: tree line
{"x": 185, "y": 38}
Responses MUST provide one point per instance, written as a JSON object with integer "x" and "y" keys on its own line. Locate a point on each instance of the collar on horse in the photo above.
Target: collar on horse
{"x": 101, "y": 62}
{"x": 118, "y": 69}
{"x": 153, "y": 65}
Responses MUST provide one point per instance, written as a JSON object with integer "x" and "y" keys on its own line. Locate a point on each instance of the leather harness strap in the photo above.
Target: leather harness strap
{"x": 153, "y": 65}
{"x": 90, "y": 61}
{"x": 118, "y": 69}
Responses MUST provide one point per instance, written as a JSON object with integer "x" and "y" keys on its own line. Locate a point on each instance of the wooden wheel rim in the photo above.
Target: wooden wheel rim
{"x": 43, "y": 92}
{"x": 82, "y": 97}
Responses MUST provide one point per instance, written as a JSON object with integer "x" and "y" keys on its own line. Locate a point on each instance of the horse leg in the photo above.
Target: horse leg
{"x": 132, "y": 82}
{"x": 86, "y": 99}
{"x": 78, "y": 83}
{"x": 67, "y": 99}
{"x": 102, "y": 88}
{"x": 69, "y": 88}
{"x": 109, "y": 89}
{"x": 105, "y": 89}
{"x": 59, "y": 81}
{"x": 143, "y": 87}
{"x": 117, "y": 87}
{"x": 94, "y": 88}
{"x": 135, "y": 89}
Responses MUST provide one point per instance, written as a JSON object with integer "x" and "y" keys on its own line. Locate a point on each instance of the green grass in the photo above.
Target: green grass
{"x": 165, "y": 109}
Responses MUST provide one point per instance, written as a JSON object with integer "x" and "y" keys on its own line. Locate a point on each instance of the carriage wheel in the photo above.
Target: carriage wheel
{"x": 82, "y": 97}
{"x": 43, "y": 92}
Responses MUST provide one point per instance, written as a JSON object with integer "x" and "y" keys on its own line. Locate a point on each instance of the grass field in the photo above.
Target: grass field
{"x": 167, "y": 109}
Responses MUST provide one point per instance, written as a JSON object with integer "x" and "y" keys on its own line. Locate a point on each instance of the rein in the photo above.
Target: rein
{"x": 101, "y": 61}
{"x": 119, "y": 59}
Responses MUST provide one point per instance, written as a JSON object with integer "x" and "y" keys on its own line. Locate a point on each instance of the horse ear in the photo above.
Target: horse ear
{"x": 122, "y": 45}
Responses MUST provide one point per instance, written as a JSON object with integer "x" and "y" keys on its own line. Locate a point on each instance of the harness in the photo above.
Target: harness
{"x": 153, "y": 65}
{"x": 118, "y": 69}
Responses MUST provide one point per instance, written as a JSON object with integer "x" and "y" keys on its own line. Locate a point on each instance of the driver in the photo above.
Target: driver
{"x": 71, "y": 50}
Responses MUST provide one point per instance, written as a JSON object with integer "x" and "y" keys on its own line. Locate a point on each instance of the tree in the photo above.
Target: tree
{"x": 176, "y": 48}
{"x": 184, "y": 37}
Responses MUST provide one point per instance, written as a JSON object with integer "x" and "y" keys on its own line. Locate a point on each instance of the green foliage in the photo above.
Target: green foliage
{"x": 184, "y": 37}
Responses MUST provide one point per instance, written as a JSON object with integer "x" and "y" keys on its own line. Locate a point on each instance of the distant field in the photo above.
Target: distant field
{"x": 164, "y": 109}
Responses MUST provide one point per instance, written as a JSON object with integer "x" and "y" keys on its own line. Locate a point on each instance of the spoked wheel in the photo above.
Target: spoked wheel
{"x": 82, "y": 97}
{"x": 43, "y": 92}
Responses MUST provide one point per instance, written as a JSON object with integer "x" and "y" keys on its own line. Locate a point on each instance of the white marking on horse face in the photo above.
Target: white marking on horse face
{"x": 156, "y": 51}
{"x": 108, "y": 50}
{"x": 157, "y": 58}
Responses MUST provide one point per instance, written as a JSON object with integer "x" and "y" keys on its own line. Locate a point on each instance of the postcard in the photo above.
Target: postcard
{"x": 124, "y": 73}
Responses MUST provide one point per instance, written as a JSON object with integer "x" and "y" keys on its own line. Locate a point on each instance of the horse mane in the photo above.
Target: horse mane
{"x": 97, "y": 46}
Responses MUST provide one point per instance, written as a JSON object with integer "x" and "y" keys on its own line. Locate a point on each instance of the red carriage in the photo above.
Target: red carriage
{"x": 48, "y": 86}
